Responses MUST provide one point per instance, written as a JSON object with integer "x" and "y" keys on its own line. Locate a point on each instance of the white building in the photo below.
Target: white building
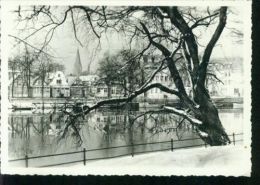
{"x": 230, "y": 72}
{"x": 59, "y": 86}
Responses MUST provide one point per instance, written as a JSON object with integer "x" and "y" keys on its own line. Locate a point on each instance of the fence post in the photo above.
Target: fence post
{"x": 172, "y": 145}
{"x": 132, "y": 149}
{"x": 234, "y": 141}
{"x": 84, "y": 156}
{"x": 26, "y": 161}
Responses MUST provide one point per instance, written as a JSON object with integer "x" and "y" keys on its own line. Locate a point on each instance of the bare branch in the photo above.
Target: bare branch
{"x": 215, "y": 77}
{"x": 39, "y": 50}
{"x": 178, "y": 21}
{"x": 201, "y": 22}
{"x": 184, "y": 114}
{"x": 211, "y": 44}
{"x": 130, "y": 97}
{"x": 74, "y": 29}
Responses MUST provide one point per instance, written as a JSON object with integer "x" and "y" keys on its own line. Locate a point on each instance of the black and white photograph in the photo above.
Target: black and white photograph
{"x": 143, "y": 88}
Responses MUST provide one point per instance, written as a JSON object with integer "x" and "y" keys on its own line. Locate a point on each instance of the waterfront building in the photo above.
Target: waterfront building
{"x": 89, "y": 80}
{"x": 225, "y": 78}
{"x": 17, "y": 86}
{"x": 59, "y": 87}
{"x": 40, "y": 89}
{"x": 78, "y": 89}
{"x": 82, "y": 86}
{"x": 102, "y": 91}
{"x": 229, "y": 72}
{"x": 150, "y": 64}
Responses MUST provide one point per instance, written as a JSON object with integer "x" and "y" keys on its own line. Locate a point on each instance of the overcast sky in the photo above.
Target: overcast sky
{"x": 65, "y": 45}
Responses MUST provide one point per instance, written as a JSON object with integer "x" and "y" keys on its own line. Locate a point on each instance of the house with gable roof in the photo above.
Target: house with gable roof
{"x": 59, "y": 87}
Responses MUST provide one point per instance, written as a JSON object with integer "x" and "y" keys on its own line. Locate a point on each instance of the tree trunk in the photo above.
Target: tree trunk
{"x": 42, "y": 94}
{"x": 216, "y": 134}
{"x": 109, "y": 90}
{"x": 12, "y": 90}
{"x": 125, "y": 87}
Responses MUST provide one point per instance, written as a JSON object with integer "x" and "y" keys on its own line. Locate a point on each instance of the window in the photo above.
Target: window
{"x": 98, "y": 119}
{"x": 105, "y": 90}
{"x": 98, "y": 90}
{"x": 161, "y": 78}
{"x": 58, "y": 81}
{"x": 166, "y": 78}
{"x": 118, "y": 91}
{"x": 236, "y": 91}
{"x": 58, "y": 75}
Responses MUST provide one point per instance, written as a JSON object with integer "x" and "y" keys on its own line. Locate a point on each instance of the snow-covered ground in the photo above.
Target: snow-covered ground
{"x": 225, "y": 160}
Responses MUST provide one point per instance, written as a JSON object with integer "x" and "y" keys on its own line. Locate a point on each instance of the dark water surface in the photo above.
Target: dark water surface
{"x": 40, "y": 134}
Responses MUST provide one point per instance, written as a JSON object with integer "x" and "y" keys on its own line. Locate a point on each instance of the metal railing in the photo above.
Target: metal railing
{"x": 85, "y": 151}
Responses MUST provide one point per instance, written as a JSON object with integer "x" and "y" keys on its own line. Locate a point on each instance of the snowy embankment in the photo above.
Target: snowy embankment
{"x": 225, "y": 160}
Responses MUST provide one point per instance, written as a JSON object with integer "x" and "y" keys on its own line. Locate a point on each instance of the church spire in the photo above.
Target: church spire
{"x": 77, "y": 65}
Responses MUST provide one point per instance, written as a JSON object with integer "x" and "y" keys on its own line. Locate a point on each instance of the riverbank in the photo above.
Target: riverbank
{"x": 53, "y": 103}
{"x": 224, "y": 160}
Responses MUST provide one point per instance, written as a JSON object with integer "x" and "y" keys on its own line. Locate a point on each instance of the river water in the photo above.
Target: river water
{"x": 41, "y": 134}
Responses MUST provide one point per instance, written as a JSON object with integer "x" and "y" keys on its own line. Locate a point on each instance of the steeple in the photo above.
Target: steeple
{"x": 77, "y": 65}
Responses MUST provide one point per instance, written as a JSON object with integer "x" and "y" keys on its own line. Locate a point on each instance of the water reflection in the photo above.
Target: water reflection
{"x": 40, "y": 134}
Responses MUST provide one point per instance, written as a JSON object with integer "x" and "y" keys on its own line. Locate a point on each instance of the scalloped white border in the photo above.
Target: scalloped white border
{"x": 5, "y": 169}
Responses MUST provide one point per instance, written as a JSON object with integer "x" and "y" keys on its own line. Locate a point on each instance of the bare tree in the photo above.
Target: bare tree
{"x": 41, "y": 73}
{"x": 121, "y": 70}
{"x": 22, "y": 68}
{"x": 168, "y": 31}
{"x": 108, "y": 72}
{"x": 13, "y": 65}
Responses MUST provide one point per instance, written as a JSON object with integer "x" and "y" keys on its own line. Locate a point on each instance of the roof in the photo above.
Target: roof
{"x": 71, "y": 79}
{"x": 89, "y": 78}
{"x": 59, "y": 75}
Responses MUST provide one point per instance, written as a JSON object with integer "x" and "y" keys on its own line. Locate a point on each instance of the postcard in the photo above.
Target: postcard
{"x": 114, "y": 88}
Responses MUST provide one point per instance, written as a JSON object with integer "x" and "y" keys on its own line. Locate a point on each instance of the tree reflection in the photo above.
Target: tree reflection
{"x": 51, "y": 132}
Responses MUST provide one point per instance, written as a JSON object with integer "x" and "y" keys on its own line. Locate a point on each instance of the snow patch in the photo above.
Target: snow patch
{"x": 221, "y": 160}
{"x": 185, "y": 114}
{"x": 176, "y": 110}
{"x": 203, "y": 134}
{"x": 196, "y": 121}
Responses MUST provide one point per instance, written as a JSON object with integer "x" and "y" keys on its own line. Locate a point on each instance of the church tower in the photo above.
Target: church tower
{"x": 77, "y": 65}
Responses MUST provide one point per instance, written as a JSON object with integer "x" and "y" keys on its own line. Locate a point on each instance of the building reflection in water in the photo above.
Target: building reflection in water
{"x": 39, "y": 134}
